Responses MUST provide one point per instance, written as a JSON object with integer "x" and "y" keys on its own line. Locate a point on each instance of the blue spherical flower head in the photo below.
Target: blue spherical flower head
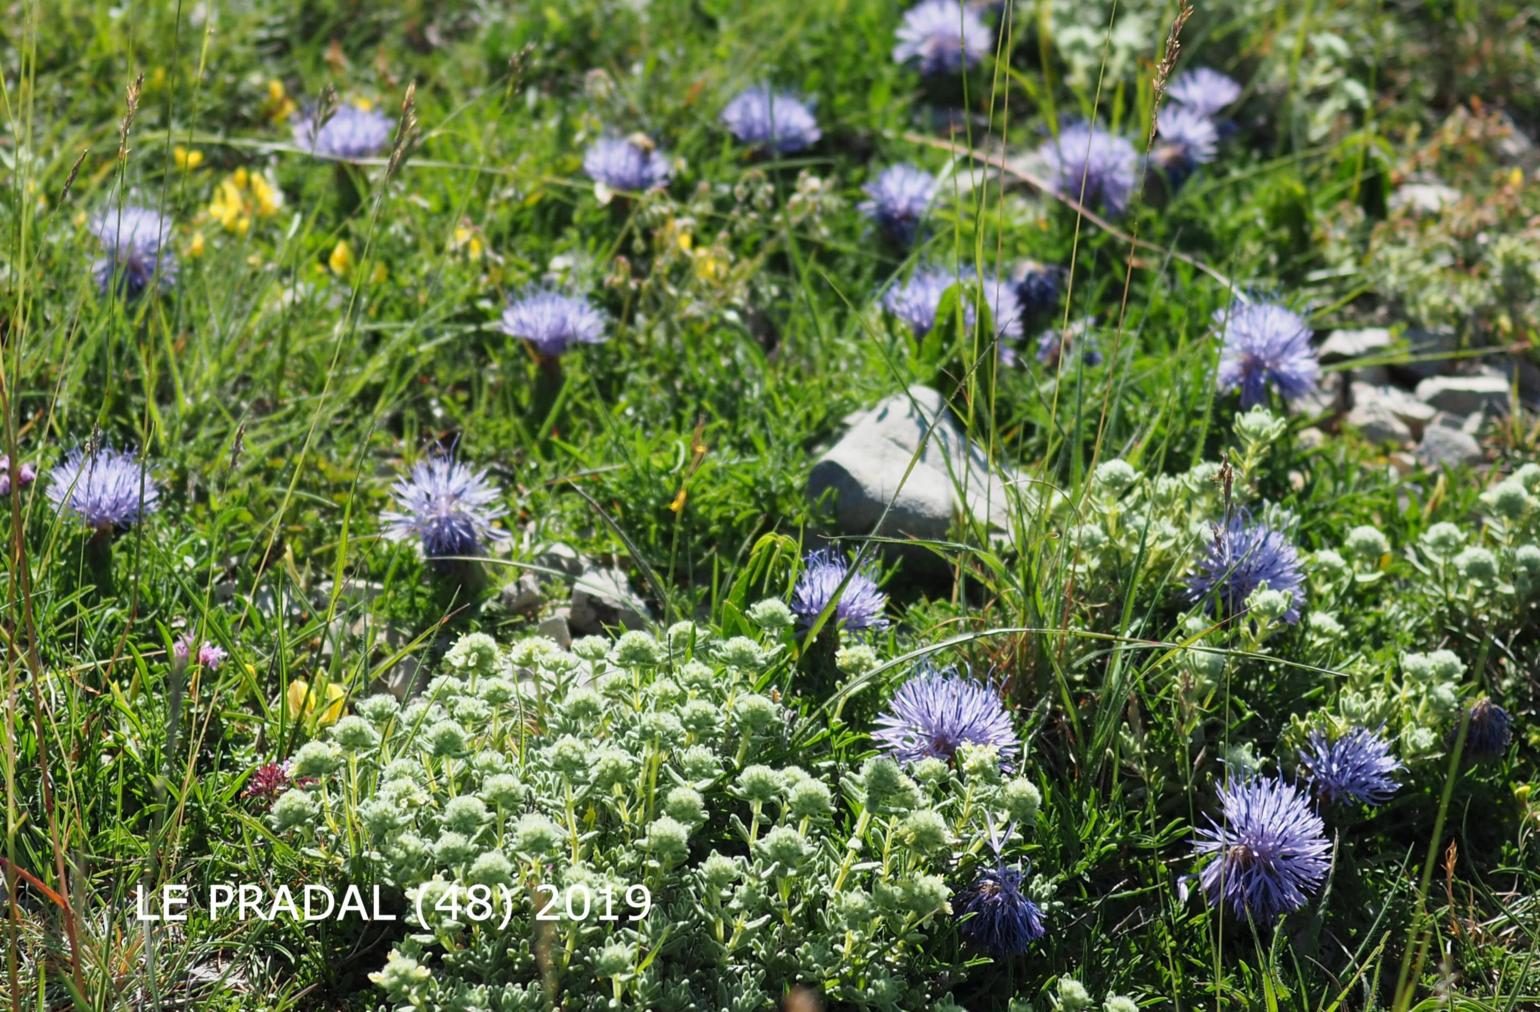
{"x": 1356, "y": 768}
{"x": 350, "y": 134}
{"x": 552, "y": 321}
{"x": 860, "y": 604}
{"x": 1054, "y": 342}
{"x": 630, "y": 163}
{"x": 1204, "y": 90}
{"x": 1004, "y": 922}
{"x": 446, "y": 507}
{"x": 898, "y": 200}
{"x": 1088, "y": 164}
{"x": 107, "y": 489}
{"x": 136, "y": 250}
{"x": 917, "y": 301}
{"x": 942, "y": 37}
{"x": 773, "y": 120}
{"x": 937, "y": 712}
{"x": 1270, "y": 852}
{"x": 1265, "y": 347}
{"x": 1241, "y": 557}
{"x": 1490, "y": 731}
{"x": 1186, "y": 139}
{"x": 1039, "y": 287}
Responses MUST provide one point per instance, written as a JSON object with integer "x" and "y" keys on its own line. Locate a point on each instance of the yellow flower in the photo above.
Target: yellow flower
{"x": 187, "y": 159}
{"x": 341, "y": 260}
{"x": 303, "y": 703}
{"x": 468, "y": 239}
{"x": 278, "y": 105}
{"x": 379, "y": 274}
{"x": 241, "y": 198}
{"x": 195, "y": 245}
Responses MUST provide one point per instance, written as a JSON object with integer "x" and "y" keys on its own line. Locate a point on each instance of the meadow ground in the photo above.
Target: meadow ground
{"x": 1214, "y": 685}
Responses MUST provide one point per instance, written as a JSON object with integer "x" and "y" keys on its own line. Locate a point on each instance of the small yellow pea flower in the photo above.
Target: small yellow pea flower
{"x": 186, "y": 159}
{"x": 341, "y": 259}
{"x": 304, "y": 704}
{"x": 195, "y": 245}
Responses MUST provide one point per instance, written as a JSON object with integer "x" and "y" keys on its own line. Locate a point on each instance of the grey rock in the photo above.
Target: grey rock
{"x": 1423, "y": 198}
{"x": 603, "y": 597}
{"x": 1443, "y": 446}
{"x": 1350, "y": 344}
{"x": 865, "y": 470}
{"x": 562, "y": 559}
{"x": 1376, "y": 422}
{"x": 1411, "y": 412}
{"x": 1330, "y": 397}
{"x": 523, "y": 594}
{"x": 1430, "y": 352}
{"x": 404, "y": 677}
{"x": 1516, "y": 147}
{"x": 555, "y": 627}
{"x": 1464, "y": 395}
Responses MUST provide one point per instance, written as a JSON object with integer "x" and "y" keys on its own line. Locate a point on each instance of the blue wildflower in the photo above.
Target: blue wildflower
{"x": 553, "y": 321}
{"x": 1088, "y": 164}
{"x": 1265, "y": 346}
{"x": 351, "y": 133}
{"x": 1490, "y": 731}
{"x": 630, "y": 163}
{"x": 917, "y": 301}
{"x": 936, "y": 712}
{"x": 1241, "y": 557}
{"x": 1204, "y": 90}
{"x": 1004, "y": 921}
{"x": 135, "y": 250}
{"x": 942, "y": 37}
{"x": 1270, "y": 850}
{"x": 1039, "y": 287}
{"x": 26, "y": 474}
{"x": 1357, "y": 767}
{"x": 776, "y": 120}
{"x": 1052, "y": 344}
{"x": 107, "y": 489}
{"x": 898, "y": 199}
{"x": 860, "y": 603}
{"x": 1186, "y": 139}
{"x": 445, "y": 506}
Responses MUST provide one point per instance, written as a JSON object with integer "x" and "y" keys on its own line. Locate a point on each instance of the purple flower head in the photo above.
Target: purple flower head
{"x": 209, "y": 655}
{"x": 26, "y": 474}
{"x": 446, "y": 506}
{"x": 1004, "y": 921}
{"x": 1039, "y": 287}
{"x": 627, "y": 164}
{"x": 1356, "y": 768}
{"x": 898, "y": 199}
{"x": 1203, "y": 90}
{"x": 942, "y": 37}
{"x": 1270, "y": 849}
{"x": 776, "y": 120}
{"x": 1490, "y": 731}
{"x": 1265, "y": 346}
{"x": 553, "y": 321}
{"x": 135, "y": 250}
{"x": 936, "y": 712}
{"x": 860, "y": 603}
{"x": 350, "y": 134}
{"x": 108, "y": 490}
{"x": 1085, "y": 156}
{"x": 1187, "y": 139}
{"x": 1240, "y": 558}
{"x": 1052, "y": 344}
{"x": 917, "y": 300}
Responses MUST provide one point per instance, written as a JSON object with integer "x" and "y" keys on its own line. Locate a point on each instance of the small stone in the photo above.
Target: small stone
{"x": 555, "y": 627}
{"x": 1411, "y": 412}
{"x": 1377, "y": 423}
{"x": 1464, "y": 395}
{"x": 868, "y": 469}
{"x": 1443, "y": 446}
{"x": 1342, "y": 345}
{"x": 522, "y": 595}
{"x": 1328, "y": 398}
{"x": 603, "y": 598}
{"x": 562, "y": 560}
